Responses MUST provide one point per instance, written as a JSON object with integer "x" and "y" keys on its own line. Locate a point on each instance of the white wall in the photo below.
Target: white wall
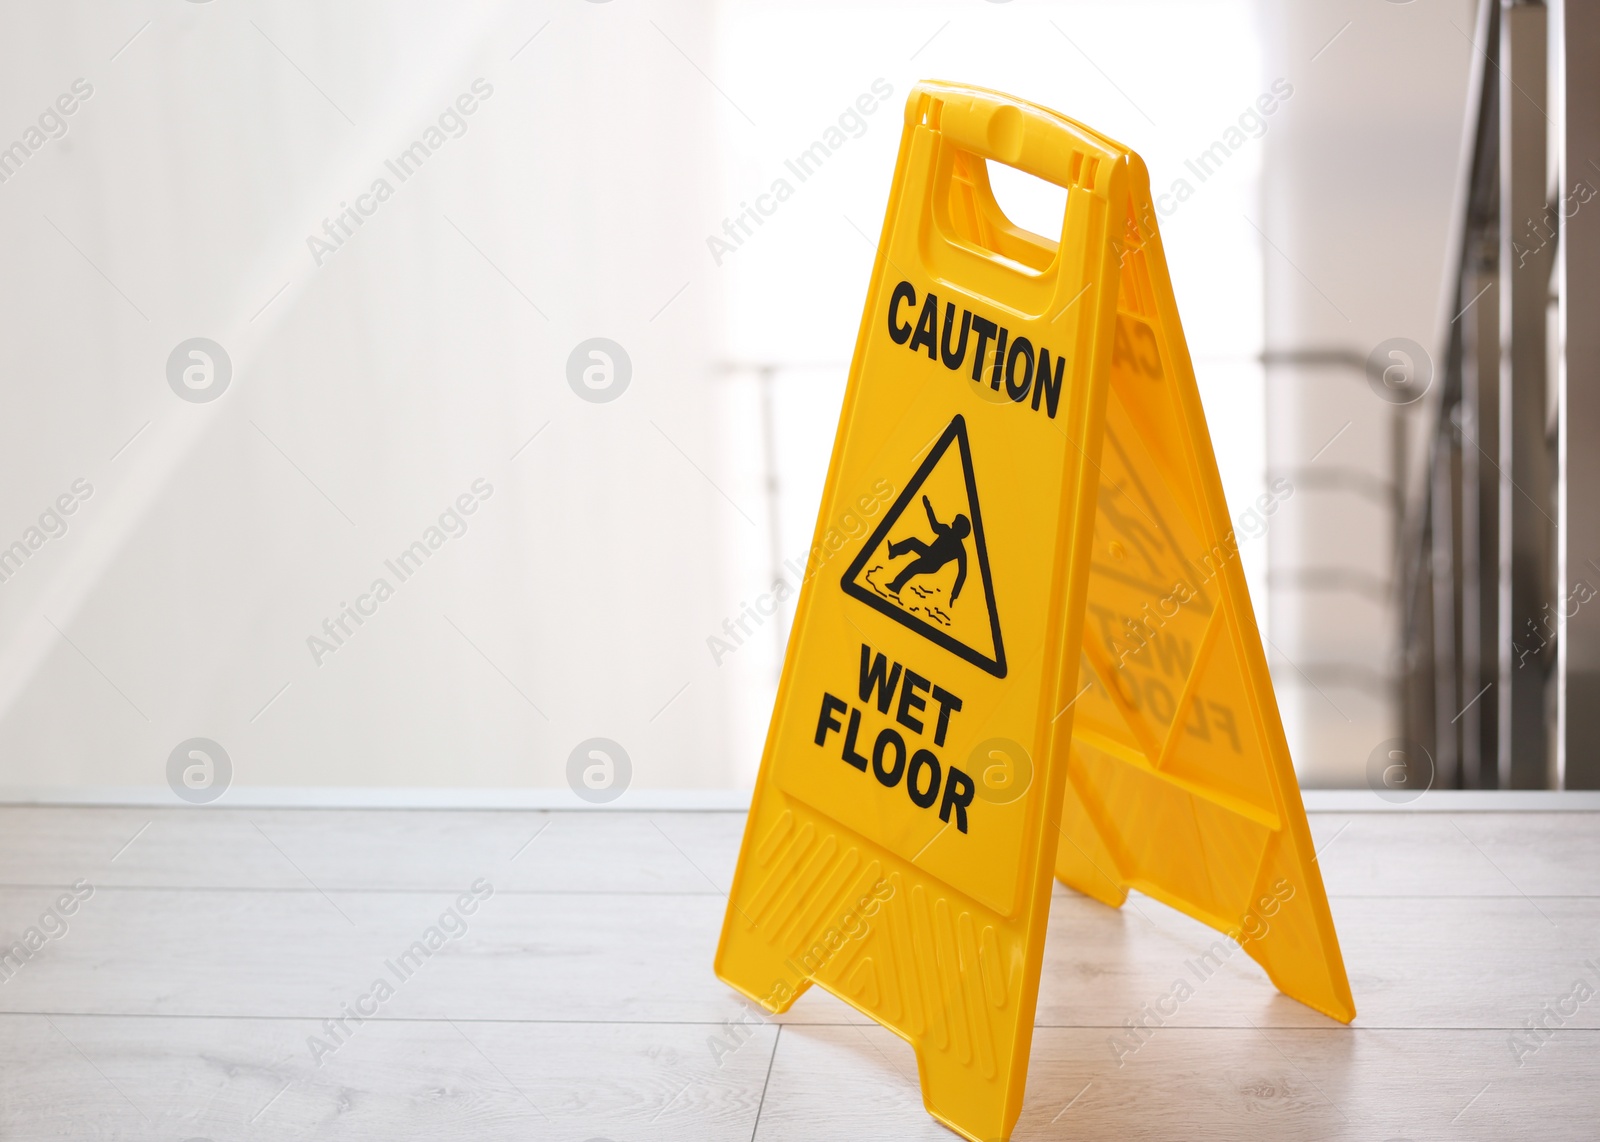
{"x": 367, "y": 395}
{"x": 1357, "y": 196}
{"x": 371, "y": 390}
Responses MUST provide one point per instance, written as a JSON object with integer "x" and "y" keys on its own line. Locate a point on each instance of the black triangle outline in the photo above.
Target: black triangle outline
{"x": 957, "y": 431}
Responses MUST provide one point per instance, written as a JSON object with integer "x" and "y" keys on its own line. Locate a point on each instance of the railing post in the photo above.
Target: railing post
{"x": 1575, "y": 131}
{"x": 1527, "y": 520}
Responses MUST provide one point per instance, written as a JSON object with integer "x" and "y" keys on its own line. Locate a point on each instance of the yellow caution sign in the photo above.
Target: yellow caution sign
{"x": 1043, "y": 660}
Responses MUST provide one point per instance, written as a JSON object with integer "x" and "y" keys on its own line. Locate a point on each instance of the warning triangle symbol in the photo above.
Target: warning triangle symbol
{"x": 927, "y": 567}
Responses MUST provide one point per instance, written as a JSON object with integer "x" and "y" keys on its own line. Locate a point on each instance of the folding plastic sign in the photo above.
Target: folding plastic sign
{"x": 1043, "y": 659}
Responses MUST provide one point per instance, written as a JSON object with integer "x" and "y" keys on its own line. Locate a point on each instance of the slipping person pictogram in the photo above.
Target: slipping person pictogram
{"x": 949, "y": 543}
{"x": 921, "y": 581}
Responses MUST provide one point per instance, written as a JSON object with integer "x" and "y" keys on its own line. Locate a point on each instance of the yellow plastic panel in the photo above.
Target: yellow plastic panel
{"x": 876, "y": 862}
{"x": 1181, "y": 781}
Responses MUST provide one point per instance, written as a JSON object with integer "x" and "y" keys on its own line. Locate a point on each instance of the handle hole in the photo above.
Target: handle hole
{"x": 1029, "y": 203}
{"x": 1024, "y": 233}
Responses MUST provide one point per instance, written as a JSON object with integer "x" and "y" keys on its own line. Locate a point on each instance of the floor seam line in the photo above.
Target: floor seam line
{"x": 767, "y": 1082}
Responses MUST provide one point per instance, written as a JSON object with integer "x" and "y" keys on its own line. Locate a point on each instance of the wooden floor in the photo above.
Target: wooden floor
{"x": 579, "y": 1002}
